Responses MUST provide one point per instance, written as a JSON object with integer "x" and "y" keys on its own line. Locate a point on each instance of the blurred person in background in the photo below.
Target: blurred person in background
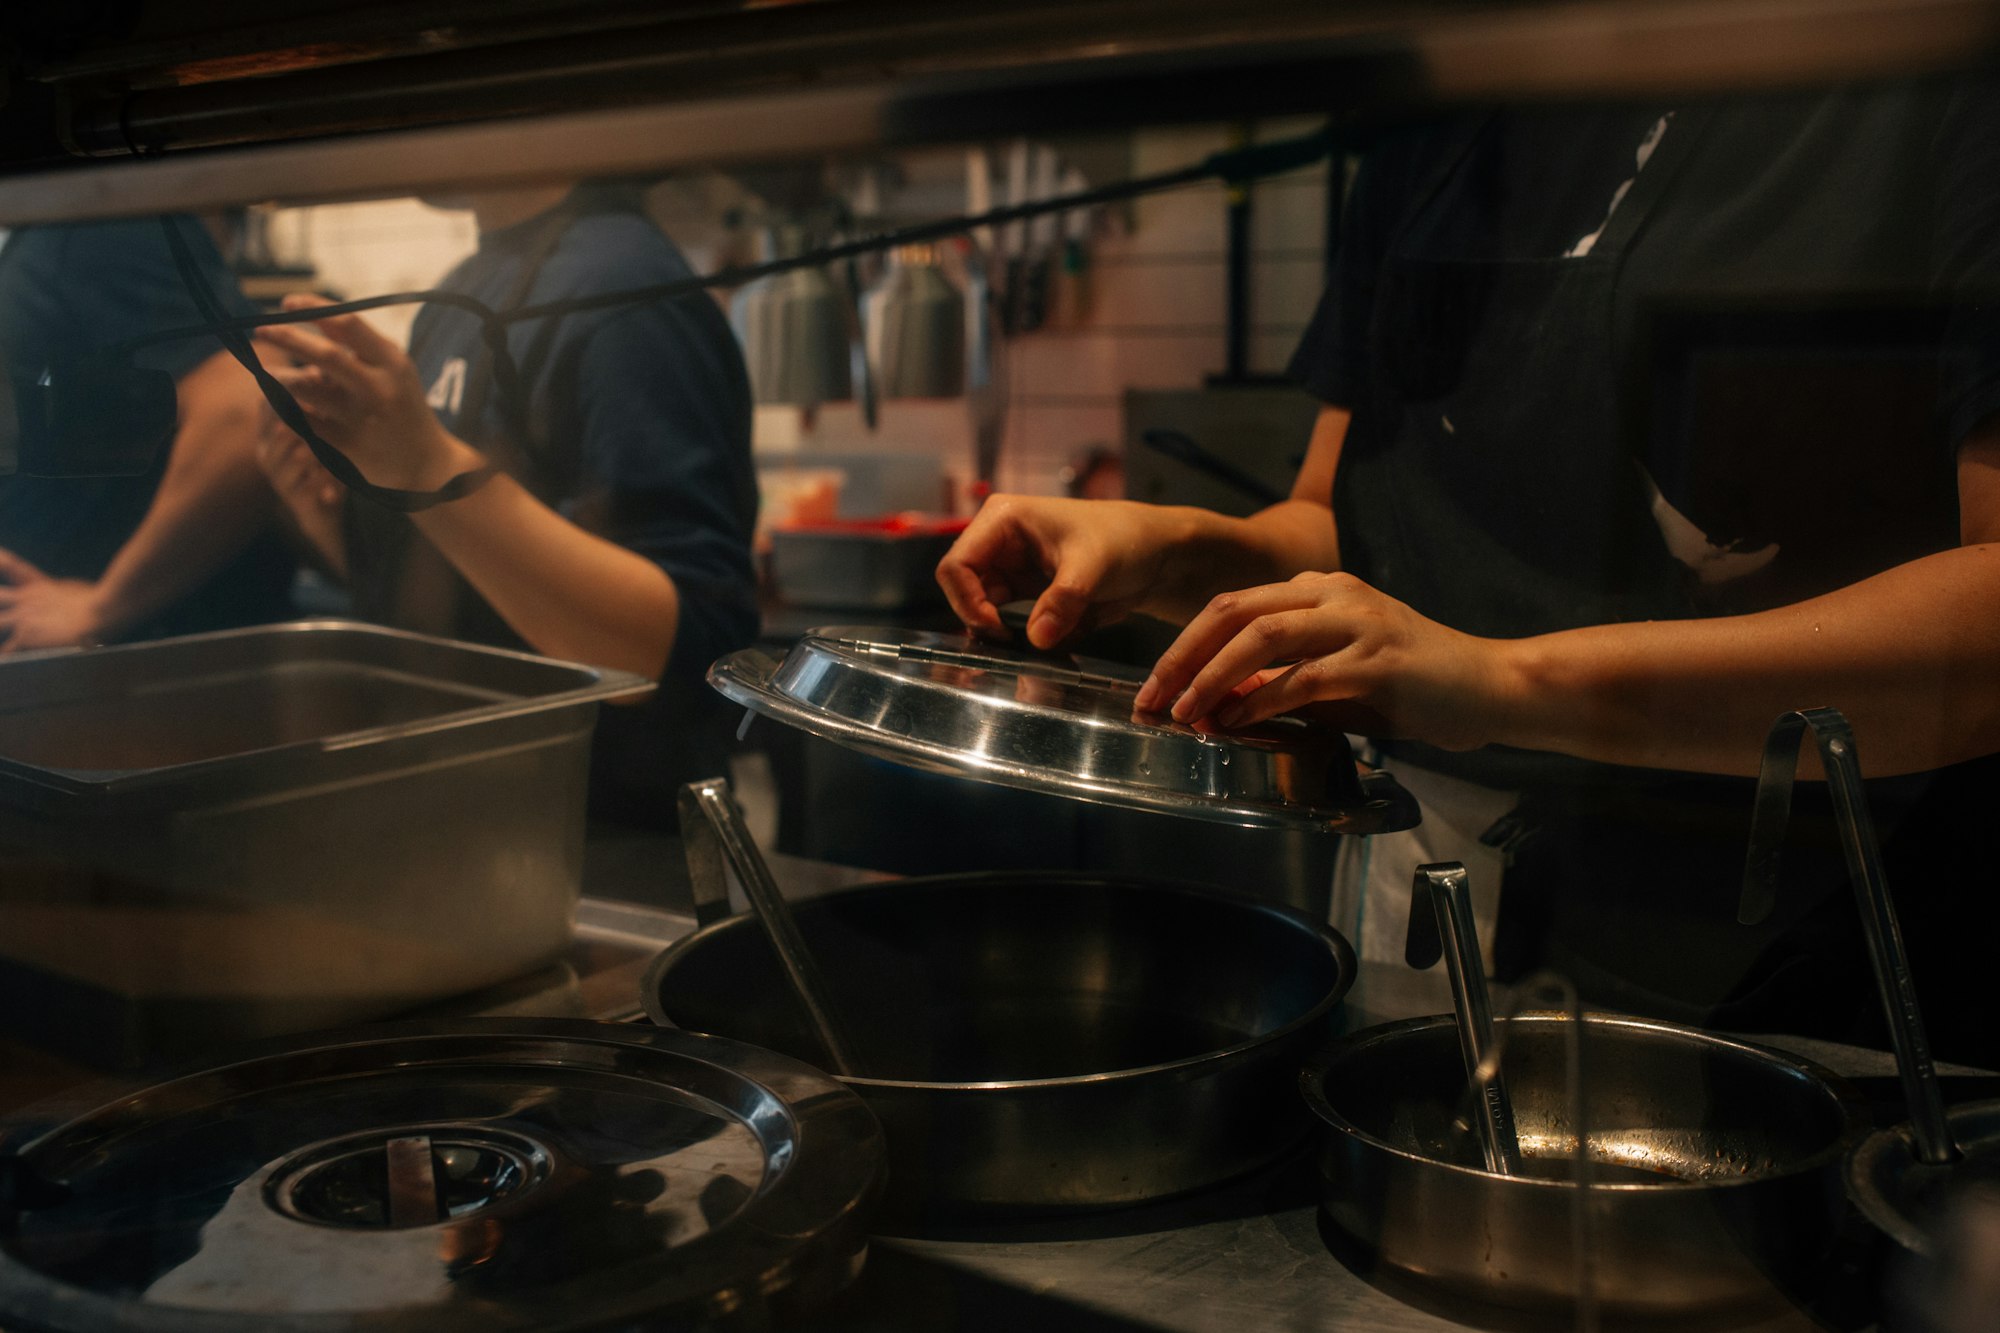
{"x": 618, "y": 529}
{"x": 188, "y": 545}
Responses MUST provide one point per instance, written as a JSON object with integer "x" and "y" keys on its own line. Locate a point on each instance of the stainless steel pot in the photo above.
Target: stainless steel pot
{"x": 1715, "y": 1177}
{"x": 1040, "y": 1042}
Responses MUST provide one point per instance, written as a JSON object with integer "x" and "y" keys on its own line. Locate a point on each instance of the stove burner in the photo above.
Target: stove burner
{"x": 415, "y": 1176}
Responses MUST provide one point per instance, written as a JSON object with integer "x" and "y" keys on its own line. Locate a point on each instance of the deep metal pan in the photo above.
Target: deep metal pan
{"x": 1037, "y": 1042}
{"x": 1715, "y": 1167}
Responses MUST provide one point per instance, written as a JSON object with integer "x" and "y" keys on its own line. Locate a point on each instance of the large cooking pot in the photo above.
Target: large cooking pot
{"x": 1035, "y": 1042}
{"x": 1715, "y": 1179}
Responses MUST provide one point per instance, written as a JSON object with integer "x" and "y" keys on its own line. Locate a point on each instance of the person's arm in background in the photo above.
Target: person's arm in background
{"x": 569, "y": 593}
{"x": 1090, "y": 562}
{"x": 211, "y": 501}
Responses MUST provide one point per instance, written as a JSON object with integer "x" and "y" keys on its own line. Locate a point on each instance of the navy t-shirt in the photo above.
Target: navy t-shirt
{"x": 639, "y": 425}
{"x": 68, "y": 290}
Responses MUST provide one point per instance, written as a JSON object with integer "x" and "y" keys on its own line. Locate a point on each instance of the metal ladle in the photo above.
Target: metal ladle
{"x": 1898, "y": 1176}
{"x": 1878, "y": 915}
{"x": 713, "y": 828}
{"x": 1448, "y": 929}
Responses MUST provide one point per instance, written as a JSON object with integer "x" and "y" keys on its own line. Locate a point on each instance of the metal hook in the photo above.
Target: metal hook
{"x": 1771, "y": 813}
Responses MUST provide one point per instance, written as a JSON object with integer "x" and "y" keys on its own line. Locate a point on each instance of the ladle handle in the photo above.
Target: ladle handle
{"x": 710, "y": 819}
{"x": 1449, "y": 890}
{"x": 1878, "y": 914}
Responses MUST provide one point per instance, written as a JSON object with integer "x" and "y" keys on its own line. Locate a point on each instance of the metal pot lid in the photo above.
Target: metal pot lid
{"x": 1042, "y": 722}
{"x": 500, "y": 1174}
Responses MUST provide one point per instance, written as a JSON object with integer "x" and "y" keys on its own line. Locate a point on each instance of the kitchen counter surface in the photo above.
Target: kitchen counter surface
{"x": 1246, "y": 1257}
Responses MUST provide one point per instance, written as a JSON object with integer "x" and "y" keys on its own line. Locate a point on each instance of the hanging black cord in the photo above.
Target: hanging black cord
{"x": 1235, "y": 166}
{"x": 236, "y": 340}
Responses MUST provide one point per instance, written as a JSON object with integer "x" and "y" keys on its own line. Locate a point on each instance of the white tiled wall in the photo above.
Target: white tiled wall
{"x": 369, "y": 249}
{"x": 1155, "y": 319}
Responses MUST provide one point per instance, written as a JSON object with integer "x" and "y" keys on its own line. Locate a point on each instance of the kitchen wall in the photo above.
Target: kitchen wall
{"x": 1153, "y": 318}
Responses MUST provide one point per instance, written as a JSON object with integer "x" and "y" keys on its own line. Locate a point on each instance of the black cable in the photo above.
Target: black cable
{"x": 237, "y": 342}
{"x": 1234, "y": 165}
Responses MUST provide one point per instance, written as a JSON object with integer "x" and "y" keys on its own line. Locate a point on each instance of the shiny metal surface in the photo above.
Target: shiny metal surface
{"x": 1441, "y": 924}
{"x": 294, "y": 826}
{"x": 711, "y": 817}
{"x": 510, "y": 1174}
{"x": 1715, "y": 1166}
{"x": 1906, "y": 1197}
{"x": 1890, "y": 961}
{"x": 949, "y": 703}
{"x": 1042, "y": 1042}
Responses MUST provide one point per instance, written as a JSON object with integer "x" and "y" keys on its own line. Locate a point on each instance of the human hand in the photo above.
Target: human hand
{"x": 37, "y": 611}
{"x": 1331, "y": 644}
{"x": 1086, "y": 562}
{"x": 362, "y": 396}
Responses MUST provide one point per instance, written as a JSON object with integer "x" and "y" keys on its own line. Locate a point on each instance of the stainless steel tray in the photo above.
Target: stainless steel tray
{"x": 1041, "y": 722}
{"x": 267, "y": 830}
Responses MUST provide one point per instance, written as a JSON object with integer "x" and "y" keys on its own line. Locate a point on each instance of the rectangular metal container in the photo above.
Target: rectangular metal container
{"x": 861, "y": 565}
{"x": 267, "y": 830}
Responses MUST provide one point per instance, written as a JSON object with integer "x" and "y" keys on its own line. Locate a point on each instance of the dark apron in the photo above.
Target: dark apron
{"x": 397, "y": 577}
{"x": 1497, "y": 489}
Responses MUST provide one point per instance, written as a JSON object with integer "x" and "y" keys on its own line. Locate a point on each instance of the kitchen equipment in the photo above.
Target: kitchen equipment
{"x": 916, "y": 321}
{"x": 796, "y": 329}
{"x": 1047, "y": 722}
{"x": 1259, "y": 433}
{"x": 868, "y": 564}
{"x": 258, "y": 831}
{"x": 1654, "y": 1170}
{"x": 1441, "y": 925}
{"x": 1178, "y": 446}
{"x": 501, "y": 1174}
{"x": 1714, "y": 1177}
{"x": 1039, "y": 1042}
{"x": 1903, "y": 1177}
{"x": 715, "y": 832}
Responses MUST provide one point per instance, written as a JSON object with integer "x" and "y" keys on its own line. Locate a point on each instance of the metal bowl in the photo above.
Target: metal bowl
{"x": 1715, "y": 1184}
{"x": 1041, "y": 1042}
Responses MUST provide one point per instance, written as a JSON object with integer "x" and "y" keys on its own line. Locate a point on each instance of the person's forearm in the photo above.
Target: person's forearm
{"x": 211, "y": 501}
{"x": 1911, "y": 656}
{"x": 1209, "y": 553}
{"x": 567, "y": 592}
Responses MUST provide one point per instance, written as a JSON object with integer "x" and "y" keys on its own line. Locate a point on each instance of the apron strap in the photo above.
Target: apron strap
{"x": 1676, "y": 146}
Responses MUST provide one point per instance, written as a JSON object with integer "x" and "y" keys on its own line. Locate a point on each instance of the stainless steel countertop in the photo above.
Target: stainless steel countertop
{"x": 1246, "y": 1257}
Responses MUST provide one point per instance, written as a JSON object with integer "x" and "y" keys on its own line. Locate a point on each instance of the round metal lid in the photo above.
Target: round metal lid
{"x": 955, "y": 704}
{"x": 502, "y": 1174}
